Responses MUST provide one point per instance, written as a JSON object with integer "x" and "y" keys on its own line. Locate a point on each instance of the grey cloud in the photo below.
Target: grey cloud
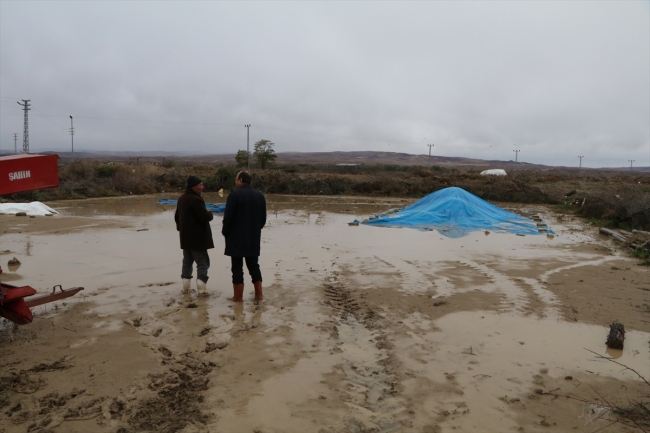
{"x": 555, "y": 79}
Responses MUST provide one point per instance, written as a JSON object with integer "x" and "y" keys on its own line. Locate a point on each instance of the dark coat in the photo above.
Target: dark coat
{"x": 243, "y": 220}
{"x": 193, "y": 222}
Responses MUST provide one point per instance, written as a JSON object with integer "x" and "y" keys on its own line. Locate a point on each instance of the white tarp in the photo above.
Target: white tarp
{"x": 35, "y": 208}
{"x": 494, "y": 172}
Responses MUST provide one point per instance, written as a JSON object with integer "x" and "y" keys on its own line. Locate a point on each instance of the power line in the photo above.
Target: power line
{"x": 47, "y": 117}
{"x": 483, "y": 148}
{"x": 54, "y": 121}
{"x": 157, "y": 121}
{"x": 302, "y": 132}
{"x": 44, "y": 116}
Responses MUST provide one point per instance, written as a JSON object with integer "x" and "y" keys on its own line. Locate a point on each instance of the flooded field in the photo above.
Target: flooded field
{"x": 363, "y": 329}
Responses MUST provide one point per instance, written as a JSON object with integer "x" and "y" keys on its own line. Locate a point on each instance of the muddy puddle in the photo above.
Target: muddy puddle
{"x": 362, "y": 329}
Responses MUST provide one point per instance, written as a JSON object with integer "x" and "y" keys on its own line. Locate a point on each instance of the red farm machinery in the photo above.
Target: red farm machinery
{"x": 21, "y": 173}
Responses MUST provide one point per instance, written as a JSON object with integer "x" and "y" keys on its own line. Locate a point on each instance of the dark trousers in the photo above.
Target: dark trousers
{"x": 237, "y": 267}
{"x": 202, "y": 260}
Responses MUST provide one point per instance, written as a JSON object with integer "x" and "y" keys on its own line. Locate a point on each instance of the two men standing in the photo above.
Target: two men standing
{"x": 243, "y": 220}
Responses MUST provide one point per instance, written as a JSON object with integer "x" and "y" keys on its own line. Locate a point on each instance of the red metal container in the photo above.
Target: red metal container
{"x": 28, "y": 172}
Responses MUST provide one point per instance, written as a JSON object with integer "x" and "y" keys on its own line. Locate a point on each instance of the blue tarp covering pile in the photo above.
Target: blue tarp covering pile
{"x": 454, "y": 212}
{"x": 214, "y": 208}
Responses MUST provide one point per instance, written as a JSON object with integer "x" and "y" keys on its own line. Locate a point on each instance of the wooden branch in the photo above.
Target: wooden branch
{"x": 612, "y": 234}
{"x": 622, "y": 365}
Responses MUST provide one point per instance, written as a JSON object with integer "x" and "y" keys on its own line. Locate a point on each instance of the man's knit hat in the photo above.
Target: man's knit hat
{"x": 193, "y": 181}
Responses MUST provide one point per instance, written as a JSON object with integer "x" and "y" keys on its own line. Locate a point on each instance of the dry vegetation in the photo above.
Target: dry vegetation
{"x": 613, "y": 199}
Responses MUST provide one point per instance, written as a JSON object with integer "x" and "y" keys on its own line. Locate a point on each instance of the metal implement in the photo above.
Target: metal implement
{"x": 54, "y": 296}
{"x": 15, "y": 302}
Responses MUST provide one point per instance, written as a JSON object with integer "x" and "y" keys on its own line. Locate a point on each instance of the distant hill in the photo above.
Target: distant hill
{"x": 369, "y": 157}
{"x": 365, "y": 157}
{"x": 353, "y": 157}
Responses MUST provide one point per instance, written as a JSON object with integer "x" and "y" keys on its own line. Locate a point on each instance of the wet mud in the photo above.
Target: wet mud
{"x": 362, "y": 329}
{"x": 179, "y": 392}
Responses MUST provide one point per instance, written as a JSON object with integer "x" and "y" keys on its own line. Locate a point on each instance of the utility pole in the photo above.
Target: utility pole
{"x": 430, "y": 146}
{"x": 72, "y": 134}
{"x": 516, "y": 155}
{"x": 25, "y": 106}
{"x": 581, "y": 160}
{"x": 15, "y": 141}
{"x": 248, "y": 153}
{"x": 631, "y": 161}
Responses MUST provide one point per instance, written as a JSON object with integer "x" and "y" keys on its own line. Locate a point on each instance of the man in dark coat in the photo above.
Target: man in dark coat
{"x": 243, "y": 220}
{"x": 193, "y": 223}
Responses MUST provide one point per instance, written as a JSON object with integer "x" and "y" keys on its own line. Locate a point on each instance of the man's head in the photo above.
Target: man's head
{"x": 195, "y": 184}
{"x": 243, "y": 177}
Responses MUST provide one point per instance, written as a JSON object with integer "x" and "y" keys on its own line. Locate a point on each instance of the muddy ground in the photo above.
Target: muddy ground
{"x": 362, "y": 329}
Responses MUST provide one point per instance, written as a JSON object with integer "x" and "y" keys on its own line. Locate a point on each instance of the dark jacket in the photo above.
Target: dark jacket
{"x": 193, "y": 222}
{"x": 243, "y": 220}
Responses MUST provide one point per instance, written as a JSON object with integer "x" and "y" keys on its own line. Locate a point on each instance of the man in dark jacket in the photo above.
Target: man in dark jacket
{"x": 243, "y": 220}
{"x": 193, "y": 223}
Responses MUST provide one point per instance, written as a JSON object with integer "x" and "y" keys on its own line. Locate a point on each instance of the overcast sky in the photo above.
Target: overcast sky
{"x": 553, "y": 79}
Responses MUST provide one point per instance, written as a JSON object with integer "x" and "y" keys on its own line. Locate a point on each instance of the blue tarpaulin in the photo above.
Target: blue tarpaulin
{"x": 214, "y": 208}
{"x": 454, "y": 212}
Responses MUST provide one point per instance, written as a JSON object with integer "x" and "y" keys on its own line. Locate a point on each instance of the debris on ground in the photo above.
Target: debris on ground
{"x": 616, "y": 336}
{"x": 635, "y": 239}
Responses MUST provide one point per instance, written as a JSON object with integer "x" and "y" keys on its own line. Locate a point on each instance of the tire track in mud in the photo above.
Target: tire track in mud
{"x": 369, "y": 366}
{"x": 174, "y": 399}
{"x": 177, "y": 398}
{"x": 43, "y": 412}
{"x": 169, "y": 400}
{"x": 522, "y": 294}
